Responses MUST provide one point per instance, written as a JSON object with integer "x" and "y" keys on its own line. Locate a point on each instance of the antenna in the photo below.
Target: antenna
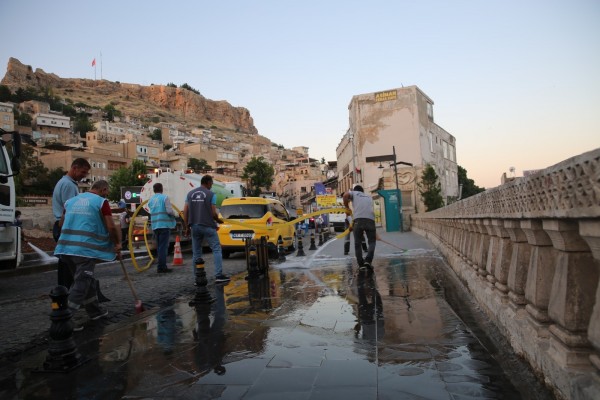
{"x": 512, "y": 171}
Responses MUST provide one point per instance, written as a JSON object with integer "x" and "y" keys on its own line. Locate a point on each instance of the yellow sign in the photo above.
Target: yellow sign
{"x": 385, "y": 96}
{"x": 326, "y": 200}
{"x": 299, "y": 211}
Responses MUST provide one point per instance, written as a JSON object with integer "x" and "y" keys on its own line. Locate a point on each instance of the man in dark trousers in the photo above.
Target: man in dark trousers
{"x": 201, "y": 217}
{"x": 364, "y": 222}
{"x": 163, "y": 220}
{"x": 88, "y": 236}
{"x": 65, "y": 189}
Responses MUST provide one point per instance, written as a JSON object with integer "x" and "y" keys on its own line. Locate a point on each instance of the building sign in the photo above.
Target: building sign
{"x": 385, "y": 96}
{"x": 131, "y": 194}
{"x": 326, "y": 200}
{"x": 34, "y": 200}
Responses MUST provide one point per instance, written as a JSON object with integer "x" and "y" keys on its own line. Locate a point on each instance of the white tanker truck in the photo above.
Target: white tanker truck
{"x": 176, "y": 185}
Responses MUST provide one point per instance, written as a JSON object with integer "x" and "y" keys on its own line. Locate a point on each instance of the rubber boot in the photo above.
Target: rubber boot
{"x": 346, "y": 248}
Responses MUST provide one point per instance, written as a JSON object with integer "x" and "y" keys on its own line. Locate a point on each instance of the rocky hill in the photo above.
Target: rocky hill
{"x": 143, "y": 102}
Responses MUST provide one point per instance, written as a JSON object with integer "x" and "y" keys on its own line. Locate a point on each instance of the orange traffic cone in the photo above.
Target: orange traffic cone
{"x": 178, "y": 257}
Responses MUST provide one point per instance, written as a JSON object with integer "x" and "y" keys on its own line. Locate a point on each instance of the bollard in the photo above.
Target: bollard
{"x": 63, "y": 355}
{"x": 320, "y": 239}
{"x": 326, "y": 238}
{"x": 312, "y": 242}
{"x": 300, "y": 248}
{"x": 202, "y": 295}
{"x": 280, "y": 251}
{"x": 252, "y": 261}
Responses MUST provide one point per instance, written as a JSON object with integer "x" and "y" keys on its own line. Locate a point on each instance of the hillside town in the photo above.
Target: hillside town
{"x": 391, "y": 139}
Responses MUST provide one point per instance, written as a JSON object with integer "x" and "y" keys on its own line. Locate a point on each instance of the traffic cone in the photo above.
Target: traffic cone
{"x": 177, "y": 257}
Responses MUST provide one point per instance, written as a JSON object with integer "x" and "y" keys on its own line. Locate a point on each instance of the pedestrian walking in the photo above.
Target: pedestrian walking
{"x": 200, "y": 216}
{"x": 88, "y": 236}
{"x": 163, "y": 220}
{"x": 364, "y": 223}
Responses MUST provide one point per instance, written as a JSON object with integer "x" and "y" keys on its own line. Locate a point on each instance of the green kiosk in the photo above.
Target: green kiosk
{"x": 393, "y": 209}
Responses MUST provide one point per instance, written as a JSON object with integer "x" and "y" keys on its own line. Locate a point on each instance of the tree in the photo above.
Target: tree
{"x": 431, "y": 189}
{"x": 35, "y": 178}
{"x": 111, "y": 112}
{"x": 134, "y": 175}
{"x": 82, "y": 124}
{"x": 156, "y": 134}
{"x": 259, "y": 173}
{"x": 198, "y": 164}
{"x": 469, "y": 188}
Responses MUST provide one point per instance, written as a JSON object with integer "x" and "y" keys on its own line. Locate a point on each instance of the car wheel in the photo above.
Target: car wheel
{"x": 226, "y": 253}
{"x": 294, "y": 244}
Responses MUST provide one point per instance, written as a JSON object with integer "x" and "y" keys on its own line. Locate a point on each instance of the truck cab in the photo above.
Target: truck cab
{"x": 10, "y": 234}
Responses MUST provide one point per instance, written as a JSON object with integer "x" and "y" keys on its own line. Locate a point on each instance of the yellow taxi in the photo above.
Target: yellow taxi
{"x": 263, "y": 217}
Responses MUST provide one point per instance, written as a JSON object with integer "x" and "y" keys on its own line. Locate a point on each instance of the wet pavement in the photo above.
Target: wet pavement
{"x": 314, "y": 327}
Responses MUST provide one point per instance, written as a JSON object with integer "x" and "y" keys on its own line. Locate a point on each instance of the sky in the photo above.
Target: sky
{"x": 516, "y": 82}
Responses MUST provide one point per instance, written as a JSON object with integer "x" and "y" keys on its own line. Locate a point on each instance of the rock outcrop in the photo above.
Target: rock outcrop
{"x": 173, "y": 104}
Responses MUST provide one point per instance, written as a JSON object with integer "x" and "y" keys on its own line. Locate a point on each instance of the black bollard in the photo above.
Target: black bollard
{"x": 320, "y": 239}
{"x": 252, "y": 261}
{"x": 300, "y": 248}
{"x": 312, "y": 242}
{"x": 326, "y": 238}
{"x": 63, "y": 355}
{"x": 280, "y": 251}
{"x": 202, "y": 295}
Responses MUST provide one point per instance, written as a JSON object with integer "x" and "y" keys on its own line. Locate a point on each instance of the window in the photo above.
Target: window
{"x": 430, "y": 111}
{"x": 445, "y": 148}
{"x": 431, "y": 142}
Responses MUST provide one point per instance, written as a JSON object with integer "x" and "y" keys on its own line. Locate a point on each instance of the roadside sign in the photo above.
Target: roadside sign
{"x": 326, "y": 200}
{"x": 131, "y": 194}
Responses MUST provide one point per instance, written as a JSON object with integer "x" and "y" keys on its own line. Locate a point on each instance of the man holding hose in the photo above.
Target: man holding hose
{"x": 364, "y": 222}
{"x": 88, "y": 236}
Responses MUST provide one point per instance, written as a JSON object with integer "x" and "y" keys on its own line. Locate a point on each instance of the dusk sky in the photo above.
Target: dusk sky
{"x": 516, "y": 82}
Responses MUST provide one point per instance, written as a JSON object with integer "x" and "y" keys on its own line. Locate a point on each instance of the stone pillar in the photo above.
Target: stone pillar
{"x": 481, "y": 254}
{"x": 519, "y": 263}
{"x": 573, "y": 293}
{"x": 487, "y": 270}
{"x": 472, "y": 244}
{"x": 540, "y": 274}
{"x": 503, "y": 256}
{"x": 590, "y": 232}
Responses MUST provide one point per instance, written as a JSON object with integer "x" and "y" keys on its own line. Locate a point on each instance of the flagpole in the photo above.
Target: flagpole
{"x": 100, "y": 65}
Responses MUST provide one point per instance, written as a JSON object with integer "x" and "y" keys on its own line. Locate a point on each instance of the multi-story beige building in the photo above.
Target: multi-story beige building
{"x": 7, "y": 118}
{"x": 55, "y": 124}
{"x": 401, "y": 120}
{"x": 104, "y": 162}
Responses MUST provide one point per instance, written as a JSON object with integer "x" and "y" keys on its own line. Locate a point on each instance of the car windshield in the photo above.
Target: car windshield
{"x": 243, "y": 211}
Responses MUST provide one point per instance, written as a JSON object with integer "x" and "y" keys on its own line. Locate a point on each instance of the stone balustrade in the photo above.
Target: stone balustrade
{"x": 529, "y": 252}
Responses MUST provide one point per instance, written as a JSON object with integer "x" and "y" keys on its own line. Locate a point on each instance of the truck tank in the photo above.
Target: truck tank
{"x": 177, "y": 185}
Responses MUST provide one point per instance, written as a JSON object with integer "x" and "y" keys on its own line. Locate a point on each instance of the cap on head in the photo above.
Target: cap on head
{"x": 122, "y": 204}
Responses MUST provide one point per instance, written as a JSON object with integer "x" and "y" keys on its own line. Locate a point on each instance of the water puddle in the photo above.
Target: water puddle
{"x": 308, "y": 327}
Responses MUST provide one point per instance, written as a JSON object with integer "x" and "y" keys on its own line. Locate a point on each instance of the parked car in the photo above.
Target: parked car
{"x": 255, "y": 211}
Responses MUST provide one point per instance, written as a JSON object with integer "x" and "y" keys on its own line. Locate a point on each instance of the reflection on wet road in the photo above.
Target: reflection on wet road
{"x": 323, "y": 332}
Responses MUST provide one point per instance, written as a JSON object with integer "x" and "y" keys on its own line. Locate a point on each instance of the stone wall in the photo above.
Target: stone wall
{"x": 529, "y": 252}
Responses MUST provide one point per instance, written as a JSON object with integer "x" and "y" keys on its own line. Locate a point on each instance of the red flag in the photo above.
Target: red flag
{"x": 94, "y": 62}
